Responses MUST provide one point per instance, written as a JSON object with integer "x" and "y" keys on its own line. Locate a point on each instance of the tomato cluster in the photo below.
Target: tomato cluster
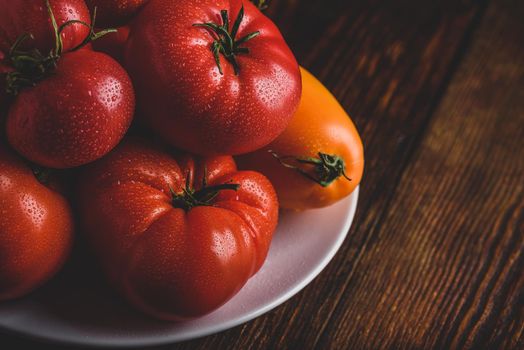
{"x": 150, "y": 115}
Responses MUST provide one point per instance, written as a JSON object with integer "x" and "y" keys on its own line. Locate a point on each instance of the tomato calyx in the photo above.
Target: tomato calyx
{"x": 190, "y": 198}
{"x": 225, "y": 42}
{"x": 42, "y": 174}
{"x": 261, "y": 4}
{"x": 322, "y": 170}
{"x": 31, "y": 66}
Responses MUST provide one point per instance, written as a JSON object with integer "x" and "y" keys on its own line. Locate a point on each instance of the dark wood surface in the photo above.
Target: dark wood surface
{"x": 435, "y": 257}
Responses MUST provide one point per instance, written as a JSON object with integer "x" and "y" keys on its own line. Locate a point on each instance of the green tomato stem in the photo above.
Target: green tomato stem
{"x": 225, "y": 42}
{"x": 323, "y": 170}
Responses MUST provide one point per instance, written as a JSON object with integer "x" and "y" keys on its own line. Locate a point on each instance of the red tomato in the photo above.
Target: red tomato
{"x": 115, "y": 12}
{"x": 113, "y": 44}
{"x": 19, "y": 17}
{"x": 176, "y": 254}
{"x": 201, "y": 92}
{"x": 36, "y": 229}
{"x": 4, "y": 98}
{"x": 3, "y": 109}
{"x": 74, "y": 116}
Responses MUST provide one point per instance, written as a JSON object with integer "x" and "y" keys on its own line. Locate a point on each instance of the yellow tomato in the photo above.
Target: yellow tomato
{"x": 319, "y": 159}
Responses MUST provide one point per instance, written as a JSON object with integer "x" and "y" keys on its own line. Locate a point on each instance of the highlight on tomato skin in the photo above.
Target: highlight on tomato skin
{"x": 177, "y": 236}
{"x": 319, "y": 159}
{"x": 36, "y": 228}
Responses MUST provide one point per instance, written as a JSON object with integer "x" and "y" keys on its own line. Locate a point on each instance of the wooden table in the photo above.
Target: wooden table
{"x": 435, "y": 257}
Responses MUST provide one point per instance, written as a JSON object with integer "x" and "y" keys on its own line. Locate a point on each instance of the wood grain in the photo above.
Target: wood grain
{"x": 447, "y": 269}
{"x": 435, "y": 256}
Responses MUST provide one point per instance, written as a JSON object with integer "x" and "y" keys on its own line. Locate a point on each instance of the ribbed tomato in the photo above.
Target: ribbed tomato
{"x": 36, "y": 228}
{"x": 212, "y": 76}
{"x": 177, "y": 236}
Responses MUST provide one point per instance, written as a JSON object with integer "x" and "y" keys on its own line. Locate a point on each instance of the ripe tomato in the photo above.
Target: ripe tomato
{"x": 3, "y": 110}
{"x": 178, "y": 237}
{"x": 209, "y": 93}
{"x": 115, "y": 12}
{"x": 4, "y": 98}
{"x": 19, "y": 17}
{"x": 36, "y": 228}
{"x": 319, "y": 159}
{"x": 74, "y": 116}
{"x": 113, "y": 44}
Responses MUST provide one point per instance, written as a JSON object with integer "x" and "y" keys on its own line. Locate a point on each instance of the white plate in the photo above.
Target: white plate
{"x": 76, "y": 308}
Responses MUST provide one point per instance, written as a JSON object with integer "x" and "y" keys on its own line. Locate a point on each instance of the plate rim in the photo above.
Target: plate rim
{"x": 195, "y": 334}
